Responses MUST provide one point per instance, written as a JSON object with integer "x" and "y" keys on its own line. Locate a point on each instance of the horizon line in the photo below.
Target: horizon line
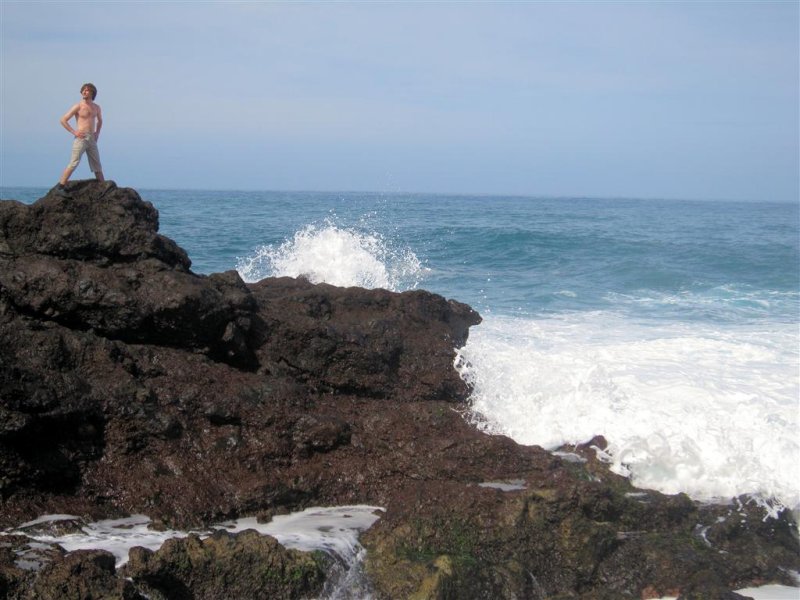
{"x": 531, "y": 196}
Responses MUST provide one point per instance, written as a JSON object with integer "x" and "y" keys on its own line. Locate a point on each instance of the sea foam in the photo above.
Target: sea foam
{"x": 710, "y": 412}
{"x": 338, "y": 256}
{"x": 332, "y": 529}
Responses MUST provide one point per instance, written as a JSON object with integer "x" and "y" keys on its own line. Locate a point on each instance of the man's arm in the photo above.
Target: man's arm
{"x": 65, "y": 119}
{"x": 99, "y": 123}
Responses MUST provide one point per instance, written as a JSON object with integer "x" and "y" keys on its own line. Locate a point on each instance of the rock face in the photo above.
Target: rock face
{"x": 252, "y": 566}
{"x": 129, "y": 384}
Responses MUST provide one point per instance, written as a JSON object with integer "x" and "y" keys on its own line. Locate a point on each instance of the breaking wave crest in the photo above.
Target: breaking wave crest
{"x": 338, "y": 256}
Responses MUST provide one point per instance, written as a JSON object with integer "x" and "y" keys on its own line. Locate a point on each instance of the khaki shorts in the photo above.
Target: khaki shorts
{"x": 89, "y": 146}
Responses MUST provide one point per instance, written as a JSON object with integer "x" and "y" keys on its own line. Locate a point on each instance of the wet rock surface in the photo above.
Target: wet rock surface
{"x": 129, "y": 384}
{"x": 244, "y": 565}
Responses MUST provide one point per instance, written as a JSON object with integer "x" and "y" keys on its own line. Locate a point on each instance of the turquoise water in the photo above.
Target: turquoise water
{"x": 526, "y": 255}
{"x": 520, "y": 254}
{"x": 670, "y": 327}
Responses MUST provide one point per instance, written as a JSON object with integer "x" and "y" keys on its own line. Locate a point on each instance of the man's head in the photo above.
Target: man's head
{"x": 91, "y": 88}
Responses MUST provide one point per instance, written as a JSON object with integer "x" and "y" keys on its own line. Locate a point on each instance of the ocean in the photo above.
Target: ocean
{"x": 672, "y": 328}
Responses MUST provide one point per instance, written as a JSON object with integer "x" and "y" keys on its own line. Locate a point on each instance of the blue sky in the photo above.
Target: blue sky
{"x": 602, "y": 99}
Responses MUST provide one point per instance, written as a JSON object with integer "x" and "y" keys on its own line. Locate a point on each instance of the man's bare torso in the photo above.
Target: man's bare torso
{"x": 86, "y": 116}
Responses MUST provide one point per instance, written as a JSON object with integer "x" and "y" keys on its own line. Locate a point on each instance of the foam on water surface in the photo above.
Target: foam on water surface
{"x": 331, "y": 529}
{"x": 771, "y": 592}
{"x": 710, "y": 412}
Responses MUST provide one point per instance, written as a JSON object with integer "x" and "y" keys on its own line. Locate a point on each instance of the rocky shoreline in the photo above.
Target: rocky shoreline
{"x": 130, "y": 384}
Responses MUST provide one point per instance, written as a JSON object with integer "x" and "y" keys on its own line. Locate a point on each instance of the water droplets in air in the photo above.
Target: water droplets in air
{"x": 336, "y": 255}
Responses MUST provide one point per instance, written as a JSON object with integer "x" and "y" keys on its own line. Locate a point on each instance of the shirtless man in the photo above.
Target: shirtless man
{"x": 89, "y": 121}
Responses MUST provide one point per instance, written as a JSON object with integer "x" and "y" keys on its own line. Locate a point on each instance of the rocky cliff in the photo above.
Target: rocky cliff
{"x": 130, "y": 384}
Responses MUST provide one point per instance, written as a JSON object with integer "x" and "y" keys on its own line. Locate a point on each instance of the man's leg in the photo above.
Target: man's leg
{"x": 94, "y": 159}
{"x": 66, "y": 175}
{"x": 78, "y": 148}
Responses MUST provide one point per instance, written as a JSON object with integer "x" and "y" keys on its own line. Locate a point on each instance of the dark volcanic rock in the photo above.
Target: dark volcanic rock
{"x": 245, "y": 565}
{"x": 100, "y": 224}
{"x": 129, "y": 384}
{"x": 44, "y": 572}
{"x": 96, "y": 262}
{"x": 83, "y": 574}
{"x": 364, "y": 342}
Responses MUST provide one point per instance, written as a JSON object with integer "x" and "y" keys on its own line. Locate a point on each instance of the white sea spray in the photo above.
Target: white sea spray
{"x": 338, "y": 256}
{"x": 707, "y": 411}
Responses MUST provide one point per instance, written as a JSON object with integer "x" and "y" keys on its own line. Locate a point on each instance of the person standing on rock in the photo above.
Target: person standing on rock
{"x": 88, "y": 122}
